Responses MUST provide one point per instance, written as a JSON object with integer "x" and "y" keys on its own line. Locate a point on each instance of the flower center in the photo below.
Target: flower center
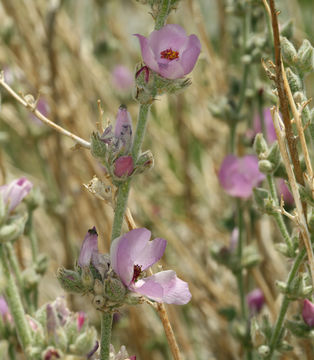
{"x": 169, "y": 54}
{"x": 137, "y": 272}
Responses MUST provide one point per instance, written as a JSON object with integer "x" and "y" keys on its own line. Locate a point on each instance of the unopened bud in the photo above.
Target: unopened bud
{"x": 260, "y": 145}
{"x": 306, "y": 57}
{"x": 265, "y": 166}
{"x": 99, "y": 302}
{"x": 98, "y": 287}
{"x": 289, "y": 52}
{"x": 70, "y": 280}
{"x": 263, "y": 351}
{"x": 12, "y": 231}
{"x": 114, "y": 289}
{"x": 294, "y": 81}
{"x": 144, "y": 162}
{"x": 84, "y": 342}
{"x": 87, "y": 277}
{"x": 250, "y": 257}
{"x": 41, "y": 264}
{"x": 274, "y": 155}
{"x": 30, "y": 278}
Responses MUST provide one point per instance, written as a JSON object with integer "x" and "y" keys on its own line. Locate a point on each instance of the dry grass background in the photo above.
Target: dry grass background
{"x": 66, "y": 51}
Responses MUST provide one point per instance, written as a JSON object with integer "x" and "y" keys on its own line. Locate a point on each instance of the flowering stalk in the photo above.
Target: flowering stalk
{"x": 162, "y": 14}
{"x": 15, "y": 304}
{"x": 122, "y": 199}
{"x": 285, "y": 303}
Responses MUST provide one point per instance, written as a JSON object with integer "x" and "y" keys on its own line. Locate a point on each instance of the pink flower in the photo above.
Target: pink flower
{"x": 133, "y": 253}
{"x": 4, "y": 310}
{"x": 269, "y": 126}
{"x": 169, "y": 51}
{"x": 308, "y": 313}
{"x": 14, "y": 192}
{"x": 122, "y": 78}
{"x": 285, "y": 192}
{"x": 123, "y": 166}
{"x": 255, "y": 300}
{"x": 238, "y": 175}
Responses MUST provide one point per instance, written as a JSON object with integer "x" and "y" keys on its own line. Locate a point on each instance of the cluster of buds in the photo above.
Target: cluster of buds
{"x": 113, "y": 149}
{"x": 61, "y": 334}
{"x": 12, "y": 225}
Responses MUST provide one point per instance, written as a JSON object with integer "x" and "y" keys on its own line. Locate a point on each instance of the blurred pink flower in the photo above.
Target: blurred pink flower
{"x": 133, "y": 253}
{"x": 238, "y": 175}
{"x": 308, "y": 313}
{"x": 285, "y": 192}
{"x": 122, "y": 78}
{"x": 255, "y": 300}
{"x": 169, "y": 51}
{"x": 269, "y": 126}
{"x": 42, "y": 107}
{"x": 80, "y": 320}
{"x": 4, "y": 310}
{"x": 14, "y": 192}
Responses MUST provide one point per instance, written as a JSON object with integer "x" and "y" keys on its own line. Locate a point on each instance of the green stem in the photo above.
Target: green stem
{"x": 106, "y": 324}
{"x": 15, "y": 304}
{"x": 278, "y": 217}
{"x": 239, "y": 254}
{"x": 163, "y": 13}
{"x": 285, "y": 304}
{"x": 122, "y": 199}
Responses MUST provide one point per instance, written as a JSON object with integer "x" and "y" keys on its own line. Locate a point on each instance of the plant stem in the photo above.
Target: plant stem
{"x": 285, "y": 303}
{"x": 278, "y": 217}
{"x": 122, "y": 199}
{"x": 162, "y": 14}
{"x": 15, "y": 304}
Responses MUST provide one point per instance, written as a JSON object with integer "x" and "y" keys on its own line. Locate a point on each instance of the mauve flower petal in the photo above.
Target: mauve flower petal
{"x": 122, "y": 78}
{"x": 125, "y": 249}
{"x": 174, "y": 290}
{"x": 170, "y": 36}
{"x": 172, "y": 70}
{"x": 189, "y": 56}
{"x": 147, "y": 53}
{"x": 255, "y": 300}
{"x": 152, "y": 252}
{"x": 14, "y": 192}
{"x": 89, "y": 246}
{"x": 4, "y": 309}
{"x": 123, "y": 122}
{"x": 238, "y": 176}
{"x": 308, "y": 313}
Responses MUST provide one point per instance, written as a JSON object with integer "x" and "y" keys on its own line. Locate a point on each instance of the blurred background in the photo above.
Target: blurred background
{"x": 72, "y": 53}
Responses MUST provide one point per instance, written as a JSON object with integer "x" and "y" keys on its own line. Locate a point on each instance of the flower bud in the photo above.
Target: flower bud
{"x": 70, "y": 280}
{"x": 87, "y": 277}
{"x": 98, "y": 287}
{"x": 308, "y": 313}
{"x": 265, "y": 166}
{"x": 114, "y": 289}
{"x": 263, "y": 351}
{"x": 255, "y": 300}
{"x": 41, "y": 264}
{"x": 13, "y": 230}
{"x": 250, "y": 257}
{"x": 98, "y": 146}
{"x": 84, "y": 342}
{"x": 274, "y": 155}
{"x": 30, "y": 278}
{"x": 99, "y": 302}
{"x": 260, "y": 197}
{"x": 289, "y": 52}
{"x": 144, "y": 162}
{"x": 306, "y": 57}
{"x": 260, "y": 145}
{"x": 123, "y": 130}
{"x": 14, "y": 192}
{"x": 294, "y": 81}
{"x": 123, "y": 166}
{"x": 51, "y": 354}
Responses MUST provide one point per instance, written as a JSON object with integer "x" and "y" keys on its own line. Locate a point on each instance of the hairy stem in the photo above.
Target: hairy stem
{"x": 285, "y": 304}
{"x": 122, "y": 199}
{"x": 163, "y": 13}
{"x": 15, "y": 304}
